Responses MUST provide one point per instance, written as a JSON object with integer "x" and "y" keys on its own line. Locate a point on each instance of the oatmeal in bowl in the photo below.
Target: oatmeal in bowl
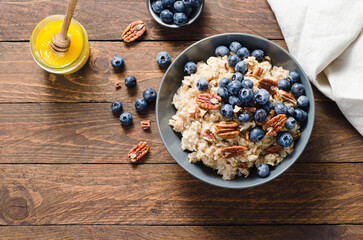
{"x": 237, "y": 111}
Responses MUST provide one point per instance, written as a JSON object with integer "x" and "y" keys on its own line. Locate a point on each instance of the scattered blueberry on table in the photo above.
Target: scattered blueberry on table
{"x": 163, "y": 59}
{"x": 126, "y": 119}
{"x": 149, "y": 95}
{"x": 116, "y": 106}
{"x": 140, "y": 104}
{"x": 130, "y": 81}
{"x": 117, "y": 62}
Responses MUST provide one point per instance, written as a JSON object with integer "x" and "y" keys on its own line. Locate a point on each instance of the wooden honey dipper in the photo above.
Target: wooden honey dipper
{"x": 61, "y": 41}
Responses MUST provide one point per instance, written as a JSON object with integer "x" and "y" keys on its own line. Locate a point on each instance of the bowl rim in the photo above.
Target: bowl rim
{"x": 269, "y": 178}
{"x": 158, "y": 20}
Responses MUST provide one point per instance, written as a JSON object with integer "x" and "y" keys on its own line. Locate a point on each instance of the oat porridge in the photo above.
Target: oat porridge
{"x": 236, "y": 111}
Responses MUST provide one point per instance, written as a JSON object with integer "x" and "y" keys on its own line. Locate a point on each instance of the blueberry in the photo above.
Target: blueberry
{"x": 294, "y": 77}
{"x": 163, "y": 59}
{"x": 130, "y": 81}
{"x": 126, "y": 119}
{"x": 190, "y": 67}
{"x": 262, "y": 96}
{"x": 166, "y": 16}
{"x": 303, "y": 101}
{"x": 258, "y": 54}
{"x": 300, "y": 115}
{"x": 284, "y": 84}
{"x": 284, "y": 139}
{"x": 235, "y": 46}
{"x": 221, "y": 51}
{"x": 188, "y": 11}
{"x": 233, "y": 87}
{"x": 179, "y": 6}
{"x": 247, "y": 83}
{"x": 250, "y": 103}
{"x": 202, "y": 84}
{"x": 180, "y": 18}
{"x": 188, "y": 3}
{"x": 297, "y": 89}
{"x": 268, "y": 106}
{"x": 233, "y": 100}
{"x": 280, "y": 108}
{"x": 290, "y": 111}
{"x": 263, "y": 170}
{"x": 140, "y": 104}
{"x": 227, "y": 111}
{"x": 256, "y": 134}
{"x": 233, "y": 59}
{"x": 237, "y": 76}
{"x": 241, "y": 67}
{"x": 243, "y": 53}
{"x": 149, "y": 95}
{"x": 260, "y": 115}
{"x": 197, "y": 3}
{"x": 290, "y": 123}
{"x": 116, "y": 106}
{"x": 157, "y": 6}
{"x": 243, "y": 117}
{"x": 224, "y": 82}
{"x": 223, "y": 93}
{"x": 117, "y": 62}
{"x": 246, "y": 95}
{"x": 168, "y": 3}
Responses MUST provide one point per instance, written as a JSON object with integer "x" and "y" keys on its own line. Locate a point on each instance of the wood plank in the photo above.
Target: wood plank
{"x": 21, "y": 80}
{"x": 320, "y": 232}
{"x": 164, "y": 194}
{"x": 105, "y": 20}
{"x": 89, "y": 133}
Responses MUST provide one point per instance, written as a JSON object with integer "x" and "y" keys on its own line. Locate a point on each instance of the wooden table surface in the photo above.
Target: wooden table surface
{"x": 64, "y": 172}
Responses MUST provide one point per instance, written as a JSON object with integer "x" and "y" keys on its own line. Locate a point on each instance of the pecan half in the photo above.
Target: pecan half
{"x": 258, "y": 71}
{"x": 117, "y": 85}
{"x": 138, "y": 151}
{"x": 227, "y": 130}
{"x": 208, "y": 101}
{"x": 250, "y": 109}
{"x": 272, "y": 149}
{"x": 208, "y": 137}
{"x": 266, "y": 83}
{"x": 133, "y": 31}
{"x": 233, "y": 151}
{"x": 275, "y": 124}
{"x": 288, "y": 97}
{"x": 146, "y": 124}
{"x": 242, "y": 165}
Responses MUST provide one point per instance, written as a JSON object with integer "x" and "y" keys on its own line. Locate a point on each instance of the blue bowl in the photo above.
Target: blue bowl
{"x": 201, "y": 51}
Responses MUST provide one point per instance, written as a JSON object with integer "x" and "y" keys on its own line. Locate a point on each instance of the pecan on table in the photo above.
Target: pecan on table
{"x": 133, "y": 31}
{"x": 208, "y": 101}
{"x": 275, "y": 124}
{"x": 138, "y": 151}
{"x": 145, "y": 124}
{"x": 227, "y": 130}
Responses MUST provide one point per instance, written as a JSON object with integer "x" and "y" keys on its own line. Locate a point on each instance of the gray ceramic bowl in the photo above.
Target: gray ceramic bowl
{"x": 156, "y": 17}
{"x": 201, "y": 51}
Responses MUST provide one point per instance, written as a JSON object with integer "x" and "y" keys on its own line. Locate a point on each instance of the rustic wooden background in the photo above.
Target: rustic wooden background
{"x": 63, "y": 166}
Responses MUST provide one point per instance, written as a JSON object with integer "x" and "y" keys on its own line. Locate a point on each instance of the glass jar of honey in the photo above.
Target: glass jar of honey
{"x": 59, "y": 63}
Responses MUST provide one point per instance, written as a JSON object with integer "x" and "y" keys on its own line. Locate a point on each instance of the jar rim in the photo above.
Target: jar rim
{"x": 67, "y": 67}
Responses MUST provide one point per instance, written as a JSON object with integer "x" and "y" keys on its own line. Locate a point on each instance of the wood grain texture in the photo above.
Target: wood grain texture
{"x": 164, "y": 194}
{"x": 288, "y": 232}
{"x": 105, "y": 20}
{"x": 90, "y": 133}
{"x": 21, "y": 80}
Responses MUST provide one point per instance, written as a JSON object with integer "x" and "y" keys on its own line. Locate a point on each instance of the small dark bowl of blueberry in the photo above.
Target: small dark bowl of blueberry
{"x": 175, "y": 13}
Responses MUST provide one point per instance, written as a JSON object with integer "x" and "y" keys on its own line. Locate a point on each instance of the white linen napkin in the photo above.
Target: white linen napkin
{"x": 326, "y": 38}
